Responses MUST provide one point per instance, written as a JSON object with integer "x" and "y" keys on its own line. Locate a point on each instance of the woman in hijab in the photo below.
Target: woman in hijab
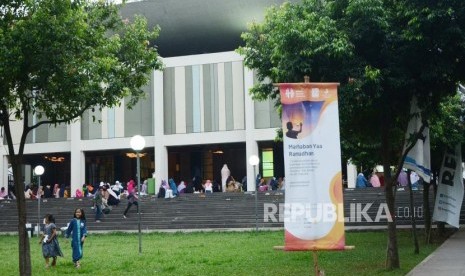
{"x": 225, "y": 173}
{"x": 56, "y": 190}
{"x": 361, "y": 181}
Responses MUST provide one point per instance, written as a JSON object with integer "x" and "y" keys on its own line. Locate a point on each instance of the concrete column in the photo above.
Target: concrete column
{"x": 77, "y": 158}
{"x": 3, "y": 171}
{"x": 161, "y": 167}
{"x": 161, "y": 151}
{"x": 252, "y": 149}
{"x": 251, "y": 143}
{"x": 351, "y": 175}
{"x": 28, "y": 174}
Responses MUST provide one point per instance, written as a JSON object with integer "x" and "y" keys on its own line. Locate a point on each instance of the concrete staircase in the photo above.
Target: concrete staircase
{"x": 189, "y": 211}
{"x": 214, "y": 211}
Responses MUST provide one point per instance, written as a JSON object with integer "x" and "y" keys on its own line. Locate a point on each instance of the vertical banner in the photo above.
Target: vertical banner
{"x": 450, "y": 188}
{"x": 418, "y": 158}
{"x": 313, "y": 209}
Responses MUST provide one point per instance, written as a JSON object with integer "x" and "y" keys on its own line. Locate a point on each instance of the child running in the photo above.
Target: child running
{"x": 77, "y": 228}
{"x": 50, "y": 246}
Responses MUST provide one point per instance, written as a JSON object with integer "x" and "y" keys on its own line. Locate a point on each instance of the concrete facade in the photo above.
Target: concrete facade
{"x": 242, "y": 126}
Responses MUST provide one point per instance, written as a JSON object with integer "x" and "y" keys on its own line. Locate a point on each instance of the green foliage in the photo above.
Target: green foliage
{"x": 312, "y": 46}
{"x": 215, "y": 253}
{"x": 447, "y": 128}
{"x": 61, "y": 58}
{"x": 381, "y": 52}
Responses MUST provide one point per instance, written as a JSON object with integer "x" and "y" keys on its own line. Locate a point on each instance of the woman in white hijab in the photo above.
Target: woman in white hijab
{"x": 225, "y": 173}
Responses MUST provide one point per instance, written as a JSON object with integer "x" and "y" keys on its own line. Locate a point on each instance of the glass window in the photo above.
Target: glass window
{"x": 267, "y": 164}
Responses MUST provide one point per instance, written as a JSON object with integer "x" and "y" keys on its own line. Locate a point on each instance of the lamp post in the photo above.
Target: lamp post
{"x": 38, "y": 171}
{"x": 254, "y": 160}
{"x": 137, "y": 144}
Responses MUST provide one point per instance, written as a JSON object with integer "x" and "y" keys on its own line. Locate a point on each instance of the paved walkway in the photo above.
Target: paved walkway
{"x": 447, "y": 260}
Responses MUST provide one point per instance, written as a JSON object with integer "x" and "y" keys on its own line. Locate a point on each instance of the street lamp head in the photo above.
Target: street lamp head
{"x": 254, "y": 160}
{"x": 39, "y": 170}
{"x": 137, "y": 142}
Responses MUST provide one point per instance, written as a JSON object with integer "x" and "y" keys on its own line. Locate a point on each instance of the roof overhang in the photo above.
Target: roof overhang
{"x": 199, "y": 26}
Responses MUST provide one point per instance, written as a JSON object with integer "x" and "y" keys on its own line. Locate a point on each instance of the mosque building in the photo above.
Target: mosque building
{"x": 197, "y": 115}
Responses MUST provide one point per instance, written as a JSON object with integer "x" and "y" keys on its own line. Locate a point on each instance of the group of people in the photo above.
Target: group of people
{"x": 170, "y": 189}
{"x": 108, "y": 196}
{"x": 33, "y": 191}
{"x": 403, "y": 179}
{"x": 272, "y": 184}
{"x": 76, "y": 229}
{"x": 4, "y": 194}
{"x": 376, "y": 179}
{"x": 7, "y": 194}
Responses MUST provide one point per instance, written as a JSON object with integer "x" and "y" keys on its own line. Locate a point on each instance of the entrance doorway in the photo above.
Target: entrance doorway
{"x": 206, "y": 161}
{"x": 110, "y": 166}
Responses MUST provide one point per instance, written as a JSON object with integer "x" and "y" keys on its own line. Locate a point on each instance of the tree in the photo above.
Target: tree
{"x": 60, "y": 58}
{"x": 382, "y": 52}
{"x": 447, "y": 130}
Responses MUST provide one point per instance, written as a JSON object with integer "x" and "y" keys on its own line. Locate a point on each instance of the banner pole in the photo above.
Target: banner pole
{"x": 315, "y": 263}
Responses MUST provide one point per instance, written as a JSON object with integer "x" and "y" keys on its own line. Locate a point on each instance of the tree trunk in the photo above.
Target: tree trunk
{"x": 412, "y": 217}
{"x": 426, "y": 210}
{"x": 441, "y": 230}
{"x": 392, "y": 254}
{"x": 24, "y": 249}
{"x": 392, "y": 258}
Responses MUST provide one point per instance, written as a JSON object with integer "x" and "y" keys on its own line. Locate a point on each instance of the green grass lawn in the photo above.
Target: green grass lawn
{"x": 215, "y": 253}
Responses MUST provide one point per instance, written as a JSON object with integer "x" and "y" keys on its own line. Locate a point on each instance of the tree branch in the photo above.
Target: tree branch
{"x": 417, "y": 136}
{"x": 64, "y": 120}
{"x": 5, "y": 119}
{"x": 374, "y": 146}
